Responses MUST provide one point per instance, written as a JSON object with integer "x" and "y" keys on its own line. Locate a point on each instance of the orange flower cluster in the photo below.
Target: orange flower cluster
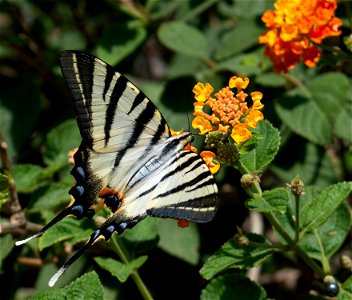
{"x": 229, "y": 121}
{"x": 230, "y": 112}
{"x": 295, "y": 27}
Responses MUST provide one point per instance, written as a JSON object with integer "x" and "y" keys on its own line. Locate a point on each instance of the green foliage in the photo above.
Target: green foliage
{"x": 270, "y": 201}
{"x": 88, "y": 286}
{"x": 234, "y": 255}
{"x": 226, "y": 286}
{"x": 166, "y": 47}
{"x": 119, "y": 270}
{"x": 268, "y": 142}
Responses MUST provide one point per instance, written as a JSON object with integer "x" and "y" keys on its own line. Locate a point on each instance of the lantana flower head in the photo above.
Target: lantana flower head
{"x": 296, "y": 28}
{"x": 228, "y": 123}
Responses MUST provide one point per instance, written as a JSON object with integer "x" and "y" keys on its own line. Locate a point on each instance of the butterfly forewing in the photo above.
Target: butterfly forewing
{"x": 127, "y": 159}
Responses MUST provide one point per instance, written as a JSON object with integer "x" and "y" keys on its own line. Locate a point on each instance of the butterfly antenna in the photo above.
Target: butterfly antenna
{"x": 58, "y": 218}
{"x": 106, "y": 230}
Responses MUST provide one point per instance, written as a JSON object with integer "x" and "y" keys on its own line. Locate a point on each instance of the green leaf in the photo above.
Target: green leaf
{"x": 142, "y": 237}
{"x": 66, "y": 229}
{"x": 6, "y": 245}
{"x": 309, "y": 161}
{"x": 330, "y": 92}
{"x": 60, "y": 141}
{"x": 238, "y": 39}
{"x": 342, "y": 118}
{"x": 233, "y": 255}
{"x": 286, "y": 220}
{"x": 88, "y": 286}
{"x": 182, "y": 243}
{"x": 120, "y": 40}
{"x": 267, "y": 147}
{"x": 346, "y": 290}
{"x": 28, "y": 177}
{"x": 248, "y": 63}
{"x": 119, "y": 270}
{"x": 303, "y": 116}
{"x": 50, "y": 197}
{"x": 233, "y": 286}
{"x": 270, "y": 201}
{"x": 328, "y": 238}
{"x": 317, "y": 211}
{"x": 270, "y": 80}
{"x": 184, "y": 39}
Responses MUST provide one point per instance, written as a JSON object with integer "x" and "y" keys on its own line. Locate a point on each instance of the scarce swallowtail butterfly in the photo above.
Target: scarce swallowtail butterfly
{"x": 127, "y": 160}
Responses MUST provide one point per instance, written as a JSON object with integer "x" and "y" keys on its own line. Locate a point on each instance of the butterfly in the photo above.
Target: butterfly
{"x": 128, "y": 160}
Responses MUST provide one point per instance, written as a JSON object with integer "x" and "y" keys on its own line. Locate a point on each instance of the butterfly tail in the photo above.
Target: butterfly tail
{"x": 75, "y": 209}
{"x": 106, "y": 230}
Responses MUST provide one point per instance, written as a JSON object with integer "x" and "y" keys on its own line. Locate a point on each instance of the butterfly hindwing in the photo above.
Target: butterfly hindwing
{"x": 128, "y": 160}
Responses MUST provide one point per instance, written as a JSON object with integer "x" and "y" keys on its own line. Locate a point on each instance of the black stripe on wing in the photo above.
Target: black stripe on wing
{"x": 200, "y": 209}
{"x": 117, "y": 92}
{"x": 140, "y": 123}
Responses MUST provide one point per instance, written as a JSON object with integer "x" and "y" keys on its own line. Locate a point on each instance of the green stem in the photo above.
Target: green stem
{"x": 324, "y": 259}
{"x": 297, "y": 219}
{"x": 293, "y": 246}
{"x": 275, "y": 223}
{"x": 122, "y": 253}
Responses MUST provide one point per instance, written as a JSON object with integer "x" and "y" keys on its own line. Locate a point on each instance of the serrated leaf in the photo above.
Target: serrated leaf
{"x": 317, "y": 211}
{"x": 328, "y": 238}
{"x": 303, "y": 116}
{"x": 113, "y": 48}
{"x": 66, "y": 229}
{"x": 184, "y": 39}
{"x": 28, "y": 177}
{"x": 119, "y": 270}
{"x": 182, "y": 243}
{"x": 270, "y": 201}
{"x": 60, "y": 141}
{"x": 88, "y": 286}
{"x": 268, "y": 142}
{"x": 233, "y": 255}
{"x": 233, "y": 286}
{"x": 246, "y": 34}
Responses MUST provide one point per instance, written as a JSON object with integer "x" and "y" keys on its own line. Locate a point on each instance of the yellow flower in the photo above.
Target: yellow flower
{"x": 227, "y": 123}
{"x": 253, "y": 118}
{"x": 240, "y": 133}
{"x": 202, "y": 124}
{"x": 256, "y": 97}
{"x": 238, "y": 82}
{"x": 202, "y": 92}
{"x": 212, "y": 164}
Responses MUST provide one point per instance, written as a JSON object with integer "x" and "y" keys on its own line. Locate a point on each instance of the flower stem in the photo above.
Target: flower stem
{"x": 122, "y": 253}
{"x": 255, "y": 188}
{"x": 293, "y": 246}
{"x": 297, "y": 219}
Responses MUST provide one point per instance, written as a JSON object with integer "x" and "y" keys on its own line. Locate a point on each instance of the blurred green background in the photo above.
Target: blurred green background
{"x": 165, "y": 48}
